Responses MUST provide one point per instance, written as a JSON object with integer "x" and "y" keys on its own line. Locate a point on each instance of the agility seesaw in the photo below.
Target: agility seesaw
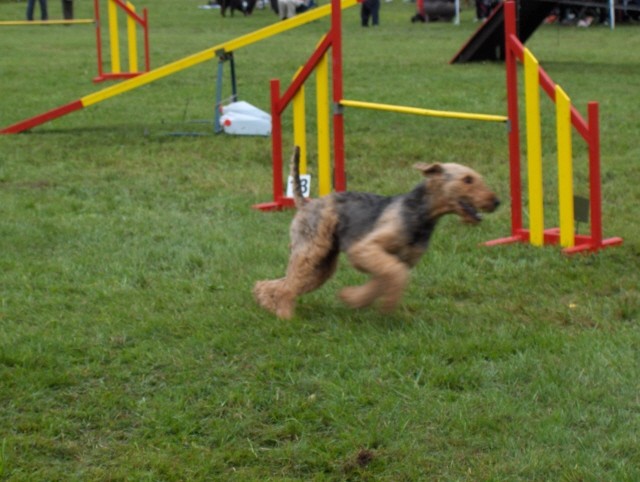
{"x": 174, "y": 67}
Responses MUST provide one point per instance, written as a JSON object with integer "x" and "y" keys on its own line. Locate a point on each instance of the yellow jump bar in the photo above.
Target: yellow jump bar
{"x": 17, "y": 23}
{"x": 424, "y": 112}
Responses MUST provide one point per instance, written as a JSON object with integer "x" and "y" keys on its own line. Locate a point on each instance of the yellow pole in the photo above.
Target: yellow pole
{"x": 114, "y": 40}
{"x": 132, "y": 40}
{"x": 324, "y": 141}
{"x": 299, "y": 126}
{"x": 534, "y": 150}
{"x": 565, "y": 170}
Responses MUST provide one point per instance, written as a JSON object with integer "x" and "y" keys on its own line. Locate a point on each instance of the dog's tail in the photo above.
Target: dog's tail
{"x": 298, "y": 197}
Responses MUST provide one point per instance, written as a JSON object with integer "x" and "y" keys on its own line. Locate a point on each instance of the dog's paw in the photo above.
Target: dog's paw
{"x": 271, "y": 297}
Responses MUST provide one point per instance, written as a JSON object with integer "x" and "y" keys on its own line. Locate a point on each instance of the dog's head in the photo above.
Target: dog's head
{"x": 454, "y": 188}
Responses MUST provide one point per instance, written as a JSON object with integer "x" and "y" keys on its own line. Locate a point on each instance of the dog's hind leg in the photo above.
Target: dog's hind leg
{"x": 389, "y": 276}
{"x": 313, "y": 259}
{"x": 307, "y": 271}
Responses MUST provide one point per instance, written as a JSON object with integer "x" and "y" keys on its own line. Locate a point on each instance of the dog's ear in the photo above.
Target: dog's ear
{"x": 429, "y": 169}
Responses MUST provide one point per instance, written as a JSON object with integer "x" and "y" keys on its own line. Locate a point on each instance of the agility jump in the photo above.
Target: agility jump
{"x": 132, "y": 20}
{"x": 173, "y": 67}
{"x": 566, "y": 115}
{"x": 318, "y": 61}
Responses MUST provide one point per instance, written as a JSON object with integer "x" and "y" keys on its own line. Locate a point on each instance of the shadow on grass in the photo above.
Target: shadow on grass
{"x": 334, "y": 312}
{"x": 155, "y": 131}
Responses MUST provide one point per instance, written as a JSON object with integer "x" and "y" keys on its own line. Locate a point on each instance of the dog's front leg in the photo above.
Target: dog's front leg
{"x": 389, "y": 275}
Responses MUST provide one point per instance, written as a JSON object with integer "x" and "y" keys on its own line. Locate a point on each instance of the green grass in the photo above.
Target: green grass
{"x": 131, "y": 348}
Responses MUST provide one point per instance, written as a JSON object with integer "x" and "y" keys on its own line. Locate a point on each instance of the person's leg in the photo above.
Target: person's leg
{"x": 30, "y": 5}
{"x": 43, "y": 10}
{"x": 282, "y": 9}
{"x": 364, "y": 13}
{"x": 375, "y": 10}
{"x": 291, "y": 9}
{"x": 67, "y": 9}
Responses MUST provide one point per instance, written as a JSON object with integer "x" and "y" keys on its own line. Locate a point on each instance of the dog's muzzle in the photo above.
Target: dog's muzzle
{"x": 472, "y": 214}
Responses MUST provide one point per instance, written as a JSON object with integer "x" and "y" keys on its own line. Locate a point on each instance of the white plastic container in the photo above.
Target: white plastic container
{"x": 243, "y": 119}
{"x": 242, "y": 107}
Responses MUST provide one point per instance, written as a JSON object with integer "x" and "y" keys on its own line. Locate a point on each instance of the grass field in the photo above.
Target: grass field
{"x": 130, "y": 345}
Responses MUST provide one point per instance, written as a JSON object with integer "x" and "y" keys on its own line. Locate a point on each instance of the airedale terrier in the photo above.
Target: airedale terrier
{"x": 382, "y": 236}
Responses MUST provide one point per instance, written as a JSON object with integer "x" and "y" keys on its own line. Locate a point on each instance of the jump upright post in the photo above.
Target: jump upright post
{"x": 567, "y": 117}
{"x": 132, "y": 20}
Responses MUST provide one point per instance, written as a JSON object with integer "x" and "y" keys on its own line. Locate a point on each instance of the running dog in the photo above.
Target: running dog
{"x": 381, "y": 236}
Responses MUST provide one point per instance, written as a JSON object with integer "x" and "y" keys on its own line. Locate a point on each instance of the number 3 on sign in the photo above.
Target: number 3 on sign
{"x": 305, "y": 185}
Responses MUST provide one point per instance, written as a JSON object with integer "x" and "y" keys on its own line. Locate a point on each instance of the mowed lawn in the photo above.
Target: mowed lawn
{"x": 131, "y": 347}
